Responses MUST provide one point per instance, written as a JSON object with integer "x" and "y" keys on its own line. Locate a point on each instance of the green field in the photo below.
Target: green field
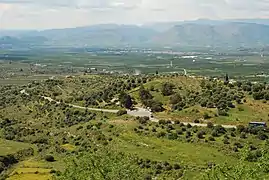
{"x": 11, "y": 147}
{"x": 239, "y": 65}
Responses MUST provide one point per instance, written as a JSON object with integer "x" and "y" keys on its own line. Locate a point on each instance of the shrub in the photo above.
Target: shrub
{"x": 167, "y": 89}
{"x": 233, "y": 134}
{"x": 195, "y": 129}
{"x": 189, "y": 126}
{"x": 241, "y": 128}
{"x": 53, "y": 171}
{"x": 165, "y": 163}
{"x": 220, "y": 129}
{"x": 226, "y": 141}
{"x": 175, "y": 99}
{"x": 158, "y": 172}
{"x": 253, "y": 130}
{"x": 214, "y": 133}
{"x": 158, "y": 166}
{"x": 176, "y": 166}
{"x": 253, "y": 156}
{"x": 262, "y": 135}
{"x": 243, "y": 135}
{"x": 200, "y": 134}
{"x": 238, "y": 145}
{"x": 161, "y": 134}
{"x": 182, "y": 125}
{"x": 162, "y": 122}
{"x": 188, "y": 134}
{"x": 210, "y": 125}
{"x": 177, "y": 122}
{"x": 196, "y": 121}
{"x": 168, "y": 168}
{"x": 172, "y": 136}
{"x": 154, "y": 105}
{"x": 49, "y": 158}
{"x": 211, "y": 165}
{"x": 211, "y": 138}
{"x": 226, "y": 136}
{"x": 170, "y": 127}
{"x": 143, "y": 120}
{"x": 252, "y": 148}
{"x": 235, "y": 149}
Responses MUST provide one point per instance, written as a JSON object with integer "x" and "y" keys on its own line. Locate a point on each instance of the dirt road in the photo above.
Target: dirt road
{"x": 138, "y": 112}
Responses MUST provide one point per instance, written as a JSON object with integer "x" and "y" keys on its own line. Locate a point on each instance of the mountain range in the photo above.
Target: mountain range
{"x": 202, "y": 32}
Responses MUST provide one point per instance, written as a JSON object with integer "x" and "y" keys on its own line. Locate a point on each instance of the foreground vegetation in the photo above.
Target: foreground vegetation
{"x": 54, "y": 133}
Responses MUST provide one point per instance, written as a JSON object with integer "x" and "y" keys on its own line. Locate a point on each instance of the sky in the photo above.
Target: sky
{"x": 47, "y": 14}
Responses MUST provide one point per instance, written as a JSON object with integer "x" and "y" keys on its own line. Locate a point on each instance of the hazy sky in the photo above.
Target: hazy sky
{"x": 40, "y": 14}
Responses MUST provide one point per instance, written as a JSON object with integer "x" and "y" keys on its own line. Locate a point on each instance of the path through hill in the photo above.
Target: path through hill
{"x": 138, "y": 112}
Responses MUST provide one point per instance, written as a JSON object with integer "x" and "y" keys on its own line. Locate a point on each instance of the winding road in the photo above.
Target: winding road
{"x": 138, "y": 112}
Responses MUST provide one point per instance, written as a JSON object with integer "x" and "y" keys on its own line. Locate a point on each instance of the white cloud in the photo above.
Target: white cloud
{"x": 68, "y": 13}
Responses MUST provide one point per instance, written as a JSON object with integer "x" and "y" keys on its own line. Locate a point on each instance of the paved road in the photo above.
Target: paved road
{"x": 138, "y": 112}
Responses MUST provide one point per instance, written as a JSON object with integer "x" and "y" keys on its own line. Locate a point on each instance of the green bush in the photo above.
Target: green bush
{"x": 167, "y": 89}
{"x": 262, "y": 135}
{"x": 220, "y": 129}
{"x": 243, "y": 135}
{"x": 201, "y": 134}
{"x": 49, "y": 158}
{"x": 210, "y": 125}
{"x": 211, "y": 138}
{"x": 176, "y": 166}
{"x": 143, "y": 120}
{"x": 240, "y": 128}
{"x": 189, "y": 126}
{"x": 215, "y": 133}
{"x": 226, "y": 141}
{"x": 196, "y": 121}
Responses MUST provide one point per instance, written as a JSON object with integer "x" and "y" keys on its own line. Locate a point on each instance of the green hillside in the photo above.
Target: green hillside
{"x": 73, "y": 140}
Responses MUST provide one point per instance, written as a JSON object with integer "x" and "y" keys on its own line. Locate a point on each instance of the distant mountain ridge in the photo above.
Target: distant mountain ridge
{"x": 227, "y": 34}
{"x": 235, "y": 33}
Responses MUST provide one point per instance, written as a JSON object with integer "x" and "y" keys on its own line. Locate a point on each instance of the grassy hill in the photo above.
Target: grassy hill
{"x": 203, "y": 103}
{"x": 75, "y": 143}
